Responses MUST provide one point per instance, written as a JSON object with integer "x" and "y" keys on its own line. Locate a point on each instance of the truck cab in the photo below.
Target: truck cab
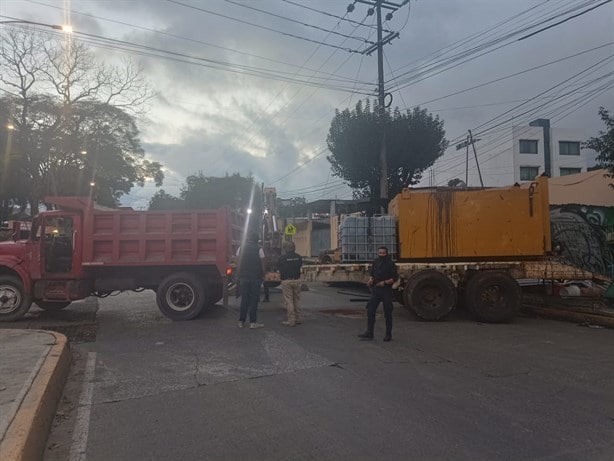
{"x": 44, "y": 268}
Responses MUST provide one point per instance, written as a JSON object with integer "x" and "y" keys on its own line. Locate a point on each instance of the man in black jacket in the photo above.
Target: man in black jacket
{"x": 251, "y": 273}
{"x": 383, "y": 275}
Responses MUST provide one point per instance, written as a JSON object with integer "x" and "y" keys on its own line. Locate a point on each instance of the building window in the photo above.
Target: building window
{"x": 566, "y": 171}
{"x": 528, "y": 146}
{"x": 528, "y": 173}
{"x": 569, "y": 148}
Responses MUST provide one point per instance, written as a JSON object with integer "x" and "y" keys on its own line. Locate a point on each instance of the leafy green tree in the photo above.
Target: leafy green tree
{"x": 414, "y": 140}
{"x": 74, "y": 123}
{"x": 164, "y": 201}
{"x": 235, "y": 191}
{"x": 604, "y": 144}
{"x": 289, "y": 208}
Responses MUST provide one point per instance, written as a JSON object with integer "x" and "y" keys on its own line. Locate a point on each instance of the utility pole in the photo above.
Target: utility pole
{"x": 470, "y": 141}
{"x": 381, "y": 41}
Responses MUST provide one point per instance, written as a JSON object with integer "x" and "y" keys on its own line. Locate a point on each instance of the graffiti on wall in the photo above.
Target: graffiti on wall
{"x": 579, "y": 237}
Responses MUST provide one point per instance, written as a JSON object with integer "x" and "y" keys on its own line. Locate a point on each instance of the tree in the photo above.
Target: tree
{"x": 74, "y": 122}
{"x": 163, "y": 201}
{"x": 414, "y": 140}
{"x": 456, "y": 182}
{"x": 234, "y": 191}
{"x": 604, "y": 144}
{"x": 290, "y": 208}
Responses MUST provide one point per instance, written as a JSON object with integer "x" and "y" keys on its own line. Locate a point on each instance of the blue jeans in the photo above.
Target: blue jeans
{"x": 250, "y": 295}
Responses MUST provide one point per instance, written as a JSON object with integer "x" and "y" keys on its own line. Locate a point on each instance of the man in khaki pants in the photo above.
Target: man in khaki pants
{"x": 290, "y": 271}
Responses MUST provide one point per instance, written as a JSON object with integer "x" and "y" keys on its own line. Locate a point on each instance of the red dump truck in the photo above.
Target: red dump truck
{"x": 82, "y": 249}
{"x": 468, "y": 246}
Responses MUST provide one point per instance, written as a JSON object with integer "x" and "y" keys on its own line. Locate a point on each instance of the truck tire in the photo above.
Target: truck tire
{"x": 430, "y": 294}
{"x": 493, "y": 296}
{"x": 181, "y": 296}
{"x": 52, "y": 306}
{"x": 14, "y": 301}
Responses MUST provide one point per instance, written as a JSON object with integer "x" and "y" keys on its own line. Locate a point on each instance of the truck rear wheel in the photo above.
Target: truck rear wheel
{"x": 181, "y": 296}
{"x": 493, "y": 297}
{"x": 52, "y": 306}
{"x": 430, "y": 294}
{"x": 14, "y": 301}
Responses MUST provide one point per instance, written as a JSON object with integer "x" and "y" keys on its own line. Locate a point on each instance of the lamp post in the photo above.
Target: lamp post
{"x": 4, "y": 170}
{"x": 64, "y": 28}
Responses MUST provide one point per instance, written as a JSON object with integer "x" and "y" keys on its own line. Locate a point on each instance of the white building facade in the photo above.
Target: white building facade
{"x": 515, "y": 154}
{"x": 540, "y": 148}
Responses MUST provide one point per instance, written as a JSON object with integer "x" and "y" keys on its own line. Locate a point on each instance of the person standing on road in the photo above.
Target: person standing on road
{"x": 266, "y": 296}
{"x": 251, "y": 274}
{"x": 383, "y": 275}
{"x": 290, "y": 273}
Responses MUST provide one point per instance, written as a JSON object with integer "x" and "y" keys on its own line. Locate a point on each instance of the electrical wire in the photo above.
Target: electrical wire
{"x": 175, "y": 36}
{"x": 329, "y": 14}
{"x": 420, "y": 73}
{"x": 285, "y": 18}
{"x": 259, "y": 26}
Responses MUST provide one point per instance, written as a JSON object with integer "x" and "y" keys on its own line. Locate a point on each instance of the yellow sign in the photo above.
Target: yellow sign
{"x": 290, "y": 230}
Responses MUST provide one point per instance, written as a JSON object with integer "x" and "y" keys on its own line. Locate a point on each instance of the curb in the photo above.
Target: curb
{"x": 27, "y": 434}
{"x": 601, "y": 319}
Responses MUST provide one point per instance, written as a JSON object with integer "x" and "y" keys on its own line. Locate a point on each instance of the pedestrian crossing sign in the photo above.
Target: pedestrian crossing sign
{"x": 290, "y": 229}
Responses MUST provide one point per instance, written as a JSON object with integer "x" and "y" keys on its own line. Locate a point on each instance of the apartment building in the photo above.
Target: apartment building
{"x": 540, "y": 148}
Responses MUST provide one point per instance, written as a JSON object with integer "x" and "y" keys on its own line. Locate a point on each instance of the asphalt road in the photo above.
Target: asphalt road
{"x": 207, "y": 390}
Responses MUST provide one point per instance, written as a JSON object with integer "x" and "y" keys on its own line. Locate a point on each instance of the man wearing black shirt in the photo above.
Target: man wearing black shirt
{"x": 383, "y": 275}
{"x": 290, "y": 273}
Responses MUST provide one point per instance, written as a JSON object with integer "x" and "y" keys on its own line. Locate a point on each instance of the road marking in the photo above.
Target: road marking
{"x": 78, "y": 447}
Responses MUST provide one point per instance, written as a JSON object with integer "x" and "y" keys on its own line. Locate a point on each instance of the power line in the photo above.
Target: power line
{"x": 420, "y": 73}
{"x": 315, "y": 90}
{"x": 144, "y": 50}
{"x": 328, "y": 14}
{"x": 570, "y": 106}
{"x": 285, "y": 18}
{"x": 453, "y": 46}
{"x": 564, "y": 20}
{"x": 167, "y": 34}
{"x": 559, "y": 103}
{"x": 259, "y": 26}
{"x": 515, "y": 74}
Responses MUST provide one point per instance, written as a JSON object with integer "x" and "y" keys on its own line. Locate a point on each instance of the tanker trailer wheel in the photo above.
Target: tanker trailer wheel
{"x": 14, "y": 301}
{"x": 430, "y": 294}
{"x": 493, "y": 296}
{"x": 181, "y": 296}
{"x": 52, "y": 306}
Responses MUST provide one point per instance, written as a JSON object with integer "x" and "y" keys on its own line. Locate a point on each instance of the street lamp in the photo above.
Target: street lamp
{"x": 64, "y": 27}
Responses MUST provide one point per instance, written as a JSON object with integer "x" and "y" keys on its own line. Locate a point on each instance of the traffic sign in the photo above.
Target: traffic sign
{"x": 290, "y": 229}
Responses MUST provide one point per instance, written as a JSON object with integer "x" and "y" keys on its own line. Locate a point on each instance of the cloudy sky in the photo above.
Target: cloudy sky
{"x": 251, "y": 86}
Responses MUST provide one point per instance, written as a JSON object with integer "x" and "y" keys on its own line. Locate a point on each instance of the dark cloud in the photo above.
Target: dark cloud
{"x": 212, "y": 120}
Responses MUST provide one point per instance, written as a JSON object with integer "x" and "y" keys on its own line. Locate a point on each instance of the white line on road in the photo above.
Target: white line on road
{"x": 82, "y": 424}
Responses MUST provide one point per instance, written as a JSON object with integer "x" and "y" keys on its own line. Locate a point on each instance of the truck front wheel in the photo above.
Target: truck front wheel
{"x": 493, "y": 297}
{"x": 14, "y": 301}
{"x": 181, "y": 296}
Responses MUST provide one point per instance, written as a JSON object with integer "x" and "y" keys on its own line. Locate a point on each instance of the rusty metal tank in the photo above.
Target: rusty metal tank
{"x": 448, "y": 224}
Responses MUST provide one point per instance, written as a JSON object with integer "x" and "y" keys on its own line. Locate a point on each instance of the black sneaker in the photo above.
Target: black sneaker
{"x": 366, "y": 336}
{"x": 387, "y": 338}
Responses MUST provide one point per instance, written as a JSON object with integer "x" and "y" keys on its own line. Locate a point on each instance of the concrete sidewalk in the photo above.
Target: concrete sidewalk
{"x": 33, "y": 368}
